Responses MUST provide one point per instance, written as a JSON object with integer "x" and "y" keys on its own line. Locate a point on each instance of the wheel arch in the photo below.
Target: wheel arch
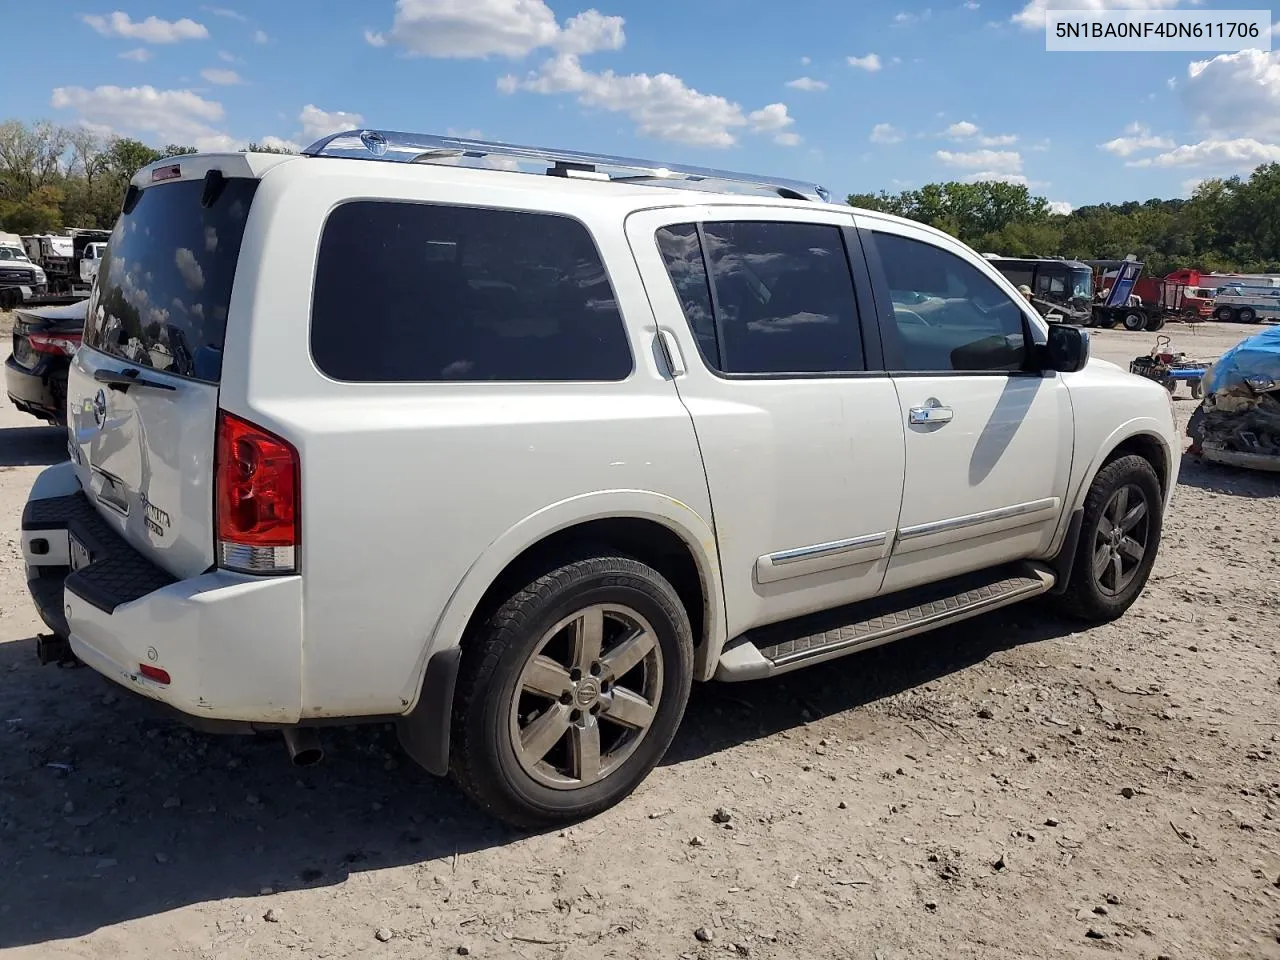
{"x": 1140, "y": 437}
{"x": 661, "y": 531}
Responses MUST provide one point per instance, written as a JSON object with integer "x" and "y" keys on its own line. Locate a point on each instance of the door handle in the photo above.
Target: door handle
{"x": 931, "y": 412}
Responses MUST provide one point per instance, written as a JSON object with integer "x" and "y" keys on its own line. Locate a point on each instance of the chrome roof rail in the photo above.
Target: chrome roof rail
{"x": 458, "y": 151}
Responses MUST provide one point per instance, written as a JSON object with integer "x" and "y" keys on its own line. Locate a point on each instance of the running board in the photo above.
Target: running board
{"x": 781, "y": 647}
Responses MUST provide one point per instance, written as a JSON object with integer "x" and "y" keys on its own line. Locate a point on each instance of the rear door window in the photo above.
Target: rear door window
{"x": 415, "y": 292}
{"x": 779, "y": 298}
{"x": 164, "y": 284}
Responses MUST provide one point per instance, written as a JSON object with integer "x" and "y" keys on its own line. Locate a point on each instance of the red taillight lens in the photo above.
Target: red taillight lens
{"x": 64, "y": 343}
{"x": 256, "y": 506}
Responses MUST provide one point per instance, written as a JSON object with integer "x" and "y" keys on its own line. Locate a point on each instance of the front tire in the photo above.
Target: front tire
{"x": 1119, "y": 537}
{"x": 1134, "y": 321}
{"x": 1224, "y": 314}
{"x": 571, "y": 692}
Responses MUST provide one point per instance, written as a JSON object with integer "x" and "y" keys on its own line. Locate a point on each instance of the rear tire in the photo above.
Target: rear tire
{"x": 1155, "y": 322}
{"x": 1119, "y": 538}
{"x": 612, "y": 638}
{"x": 1134, "y": 321}
{"x": 1223, "y": 315}
{"x": 1247, "y": 315}
{"x": 1106, "y": 321}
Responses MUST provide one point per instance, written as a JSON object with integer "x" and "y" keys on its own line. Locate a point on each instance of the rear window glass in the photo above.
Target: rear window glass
{"x": 164, "y": 283}
{"x": 423, "y": 292}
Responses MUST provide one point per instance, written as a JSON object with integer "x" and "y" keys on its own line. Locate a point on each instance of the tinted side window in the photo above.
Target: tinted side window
{"x": 420, "y": 292}
{"x": 949, "y": 315}
{"x": 682, "y": 253}
{"x": 783, "y": 296}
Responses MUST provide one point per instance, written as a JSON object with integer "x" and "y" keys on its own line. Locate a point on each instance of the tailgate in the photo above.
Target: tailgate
{"x": 142, "y": 394}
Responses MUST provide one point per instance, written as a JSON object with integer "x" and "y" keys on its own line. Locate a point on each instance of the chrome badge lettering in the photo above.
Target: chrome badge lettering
{"x": 157, "y": 520}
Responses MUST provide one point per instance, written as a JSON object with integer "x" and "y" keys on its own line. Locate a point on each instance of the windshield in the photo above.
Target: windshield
{"x": 12, "y": 253}
{"x": 1082, "y": 284}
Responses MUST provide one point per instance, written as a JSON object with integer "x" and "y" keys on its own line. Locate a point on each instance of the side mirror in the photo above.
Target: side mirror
{"x": 1068, "y": 348}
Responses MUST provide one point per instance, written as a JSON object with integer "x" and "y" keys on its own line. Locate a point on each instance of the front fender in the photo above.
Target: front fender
{"x": 678, "y": 517}
{"x": 1137, "y": 427}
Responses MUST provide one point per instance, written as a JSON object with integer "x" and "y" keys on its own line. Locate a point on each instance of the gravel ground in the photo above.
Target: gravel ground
{"x": 1009, "y": 788}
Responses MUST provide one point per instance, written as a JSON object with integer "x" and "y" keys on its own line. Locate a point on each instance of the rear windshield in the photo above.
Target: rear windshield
{"x": 164, "y": 284}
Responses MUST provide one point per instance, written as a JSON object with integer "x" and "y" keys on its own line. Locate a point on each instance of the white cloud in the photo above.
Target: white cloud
{"x": 907, "y": 17}
{"x": 787, "y": 139}
{"x": 137, "y": 55}
{"x": 481, "y": 28}
{"x": 1241, "y": 154}
{"x": 885, "y": 133}
{"x": 1032, "y": 16}
{"x": 189, "y": 267}
{"x": 972, "y": 4}
{"x": 870, "y": 63}
{"x": 226, "y": 57}
{"x": 661, "y": 105}
{"x": 1059, "y": 208}
{"x": 225, "y": 12}
{"x": 1139, "y": 138}
{"x": 221, "y": 77}
{"x": 280, "y": 143}
{"x": 995, "y": 176}
{"x": 989, "y": 161}
{"x": 1190, "y": 185}
{"x": 317, "y": 123}
{"x": 172, "y": 116}
{"x": 963, "y": 130}
{"x": 150, "y": 30}
{"x": 260, "y": 36}
{"x": 805, "y": 61}
{"x": 807, "y": 83}
{"x": 1235, "y": 94}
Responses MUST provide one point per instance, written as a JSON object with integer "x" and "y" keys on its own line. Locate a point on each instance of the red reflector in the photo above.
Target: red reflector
{"x": 154, "y": 673}
{"x": 256, "y": 496}
{"x": 64, "y": 343}
{"x": 171, "y": 172}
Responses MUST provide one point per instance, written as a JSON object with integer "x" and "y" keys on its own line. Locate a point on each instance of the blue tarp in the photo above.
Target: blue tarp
{"x": 1258, "y": 356}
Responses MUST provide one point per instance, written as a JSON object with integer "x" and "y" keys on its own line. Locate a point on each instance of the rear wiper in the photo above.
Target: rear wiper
{"x": 129, "y": 378}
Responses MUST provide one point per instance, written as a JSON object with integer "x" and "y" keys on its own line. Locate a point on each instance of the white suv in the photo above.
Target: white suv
{"x": 513, "y": 460}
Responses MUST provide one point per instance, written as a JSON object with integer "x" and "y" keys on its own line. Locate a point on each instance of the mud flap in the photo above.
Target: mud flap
{"x": 424, "y": 733}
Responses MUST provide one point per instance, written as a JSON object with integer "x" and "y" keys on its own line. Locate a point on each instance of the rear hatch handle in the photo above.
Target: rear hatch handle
{"x": 127, "y": 378}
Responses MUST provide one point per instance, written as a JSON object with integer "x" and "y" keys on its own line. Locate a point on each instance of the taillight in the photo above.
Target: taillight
{"x": 256, "y": 499}
{"x": 62, "y": 343}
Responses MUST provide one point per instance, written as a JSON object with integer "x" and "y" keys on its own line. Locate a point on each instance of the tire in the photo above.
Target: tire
{"x": 1197, "y": 389}
{"x": 1106, "y": 321}
{"x": 533, "y": 643}
{"x": 1247, "y": 315}
{"x": 1155, "y": 322}
{"x": 1089, "y": 597}
{"x": 1223, "y": 315}
{"x": 1133, "y": 320}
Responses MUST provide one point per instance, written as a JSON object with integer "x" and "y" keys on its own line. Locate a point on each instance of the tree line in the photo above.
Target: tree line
{"x": 1228, "y": 224}
{"x": 53, "y": 177}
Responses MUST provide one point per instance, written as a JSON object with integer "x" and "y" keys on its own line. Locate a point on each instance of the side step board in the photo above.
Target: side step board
{"x": 786, "y": 646}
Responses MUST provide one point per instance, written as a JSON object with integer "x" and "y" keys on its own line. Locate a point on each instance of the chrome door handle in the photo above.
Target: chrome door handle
{"x": 931, "y": 412}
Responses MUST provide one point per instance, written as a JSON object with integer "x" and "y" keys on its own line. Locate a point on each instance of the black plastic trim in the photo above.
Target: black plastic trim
{"x": 424, "y": 733}
{"x": 1063, "y": 563}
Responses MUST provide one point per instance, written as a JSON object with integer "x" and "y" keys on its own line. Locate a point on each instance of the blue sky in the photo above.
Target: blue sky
{"x": 858, "y": 95}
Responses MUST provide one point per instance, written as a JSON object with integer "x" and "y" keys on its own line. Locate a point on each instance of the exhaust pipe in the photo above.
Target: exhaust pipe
{"x": 303, "y": 744}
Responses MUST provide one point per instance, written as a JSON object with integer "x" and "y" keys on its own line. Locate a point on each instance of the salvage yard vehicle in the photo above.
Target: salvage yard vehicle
{"x": 1242, "y": 304}
{"x": 605, "y": 427}
{"x": 35, "y": 373}
{"x": 1238, "y": 422}
{"x": 1062, "y": 290}
{"x": 19, "y": 277}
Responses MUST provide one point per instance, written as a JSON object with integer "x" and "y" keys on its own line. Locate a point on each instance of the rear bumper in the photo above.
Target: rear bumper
{"x": 40, "y": 391}
{"x": 231, "y": 644}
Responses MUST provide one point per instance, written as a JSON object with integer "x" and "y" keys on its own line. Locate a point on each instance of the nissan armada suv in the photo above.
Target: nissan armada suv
{"x": 395, "y": 429}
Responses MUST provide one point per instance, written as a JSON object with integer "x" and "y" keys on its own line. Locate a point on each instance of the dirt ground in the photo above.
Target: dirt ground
{"x": 1009, "y": 788}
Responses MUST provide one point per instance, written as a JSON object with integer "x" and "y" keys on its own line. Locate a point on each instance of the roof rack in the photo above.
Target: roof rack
{"x": 426, "y": 148}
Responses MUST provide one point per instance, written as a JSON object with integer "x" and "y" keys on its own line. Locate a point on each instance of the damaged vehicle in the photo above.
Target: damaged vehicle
{"x": 1238, "y": 422}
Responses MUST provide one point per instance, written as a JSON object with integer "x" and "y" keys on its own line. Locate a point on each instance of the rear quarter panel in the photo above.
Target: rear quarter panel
{"x": 415, "y": 495}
